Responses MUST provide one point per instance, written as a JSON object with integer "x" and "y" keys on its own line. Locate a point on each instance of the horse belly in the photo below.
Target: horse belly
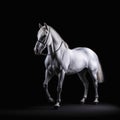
{"x": 77, "y": 64}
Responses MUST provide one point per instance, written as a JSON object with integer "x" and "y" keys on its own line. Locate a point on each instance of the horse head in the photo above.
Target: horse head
{"x": 42, "y": 38}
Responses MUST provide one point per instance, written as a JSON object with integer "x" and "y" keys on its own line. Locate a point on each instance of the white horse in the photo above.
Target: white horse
{"x": 61, "y": 60}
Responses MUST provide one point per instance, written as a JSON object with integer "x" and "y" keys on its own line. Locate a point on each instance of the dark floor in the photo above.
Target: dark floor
{"x": 65, "y": 111}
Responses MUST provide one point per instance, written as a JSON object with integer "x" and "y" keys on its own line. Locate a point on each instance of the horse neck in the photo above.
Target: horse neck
{"x": 56, "y": 41}
{"x": 50, "y": 49}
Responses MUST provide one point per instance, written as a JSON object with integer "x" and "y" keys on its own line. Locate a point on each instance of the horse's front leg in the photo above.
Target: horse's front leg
{"x": 48, "y": 76}
{"x": 61, "y": 76}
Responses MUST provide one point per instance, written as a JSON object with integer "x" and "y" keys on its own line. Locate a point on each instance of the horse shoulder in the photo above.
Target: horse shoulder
{"x": 65, "y": 59}
{"x": 47, "y": 61}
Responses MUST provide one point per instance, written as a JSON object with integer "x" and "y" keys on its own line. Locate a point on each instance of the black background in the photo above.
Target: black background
{"x": 92, "y": 25}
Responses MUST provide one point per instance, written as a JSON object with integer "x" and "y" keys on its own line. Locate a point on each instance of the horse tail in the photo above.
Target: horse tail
{"x": 100, "y": 75}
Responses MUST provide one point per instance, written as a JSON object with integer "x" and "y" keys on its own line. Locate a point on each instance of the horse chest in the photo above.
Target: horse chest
{"x": 55, "y": 66}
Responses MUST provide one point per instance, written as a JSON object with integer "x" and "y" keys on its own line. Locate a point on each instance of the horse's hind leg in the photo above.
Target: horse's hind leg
{"x": 85, "y": 83}
{"x": 95, "y": 82}
{"x": 48, "y": 77}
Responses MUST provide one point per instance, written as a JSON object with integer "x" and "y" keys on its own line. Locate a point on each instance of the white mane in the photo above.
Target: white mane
{"x": 57, "y": 36}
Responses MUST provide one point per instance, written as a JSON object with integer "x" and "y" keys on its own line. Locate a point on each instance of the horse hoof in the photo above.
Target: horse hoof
{"x": 57, "y": 105}
{"x": 96, "y": 102}
{"x": 83, "y": 101}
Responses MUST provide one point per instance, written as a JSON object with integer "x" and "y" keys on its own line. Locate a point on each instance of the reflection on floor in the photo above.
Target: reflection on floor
{"x": 65, "y": 111}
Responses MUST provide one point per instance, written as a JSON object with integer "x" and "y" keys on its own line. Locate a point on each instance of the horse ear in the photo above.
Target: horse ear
{"x": 40, "y": 25}
{"x": 46, "y": 26}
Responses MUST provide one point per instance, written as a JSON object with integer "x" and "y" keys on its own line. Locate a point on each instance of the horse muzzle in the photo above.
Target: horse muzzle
{"x": 37, "y": 52}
